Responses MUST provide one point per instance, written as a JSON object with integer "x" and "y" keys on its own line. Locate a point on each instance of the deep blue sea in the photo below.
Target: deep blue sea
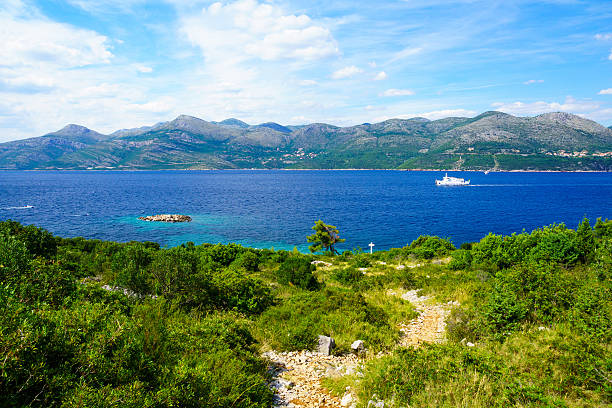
{"x": 266, "y": 209}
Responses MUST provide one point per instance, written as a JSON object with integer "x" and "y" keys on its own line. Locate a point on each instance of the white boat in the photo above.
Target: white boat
{"x": 452, "y": 181}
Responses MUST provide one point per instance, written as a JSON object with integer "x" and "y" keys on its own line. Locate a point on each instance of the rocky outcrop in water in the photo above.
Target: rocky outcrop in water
{"x": 166, "y": 218}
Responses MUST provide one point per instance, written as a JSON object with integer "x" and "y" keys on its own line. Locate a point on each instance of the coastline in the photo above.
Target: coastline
{"x": 331, "y": 169}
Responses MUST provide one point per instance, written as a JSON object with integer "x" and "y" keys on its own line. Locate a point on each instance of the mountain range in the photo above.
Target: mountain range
{"x": 490, "y": 141}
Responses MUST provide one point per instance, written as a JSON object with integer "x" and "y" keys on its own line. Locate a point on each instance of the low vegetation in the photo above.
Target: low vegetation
{"x": 87, "y": 323}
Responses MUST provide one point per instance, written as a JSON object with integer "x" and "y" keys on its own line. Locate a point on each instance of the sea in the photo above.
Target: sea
{"x": 277, "y": 208}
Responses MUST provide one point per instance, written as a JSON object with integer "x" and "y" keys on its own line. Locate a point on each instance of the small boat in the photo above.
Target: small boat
{"x": 452, "y": 181}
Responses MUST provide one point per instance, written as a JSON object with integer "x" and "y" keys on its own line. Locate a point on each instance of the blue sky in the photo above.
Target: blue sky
{"x": 127, "y": 63}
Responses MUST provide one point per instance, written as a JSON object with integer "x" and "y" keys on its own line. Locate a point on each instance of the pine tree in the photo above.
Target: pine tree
{"x": 325, "y": 237}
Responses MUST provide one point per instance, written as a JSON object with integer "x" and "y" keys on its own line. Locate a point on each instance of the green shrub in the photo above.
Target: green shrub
{"x": 38, "y": 241}
{"x": 428, "y": 247}
{"x": 504, "y": 311}
{"x": 238, "y": 292}
{"x": 489, "y": 251}
{"x": 348, "y": 276}
{"x": 603, "y": 229}
{"x": 47, "y": 282}
{"x": 592, "y": 312}
{"x": 218, "y": 366}
{"x": 221, "y": 254}
{"x": 462, "y": 324}
{"x": 345, "y": 256}
{"x": 466, "y": 246}
{"x": 176, "y": 274}
{"x": 361, "y": 261}
{"x": 556, "y": 246}
{"x": 14, "y": 258}
{"x": 585, "y": 241}
{"x": 130, "y": 267}
{"x": 249, "y": 260}
{"x": 297, "y": 271}
{"x": 603, "y": 260}
{"x": 461, "y": 259}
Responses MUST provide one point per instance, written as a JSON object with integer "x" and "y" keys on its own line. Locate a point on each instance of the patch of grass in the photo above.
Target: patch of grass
{"x": 337, "y": 386}
{"x": 343, "y": 314}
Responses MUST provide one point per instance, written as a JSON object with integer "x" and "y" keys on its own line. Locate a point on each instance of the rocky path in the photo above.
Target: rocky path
{"x": 429, "y": 326}
{"x": 297, "y": 375}
{"x": 297, "y": 378}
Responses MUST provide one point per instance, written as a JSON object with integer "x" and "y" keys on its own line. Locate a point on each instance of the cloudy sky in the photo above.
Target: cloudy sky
{"x": 111, "y": 64}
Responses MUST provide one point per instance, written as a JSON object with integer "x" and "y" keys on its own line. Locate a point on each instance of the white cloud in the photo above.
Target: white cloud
{"x": 405, "y": 53}
{"x": 53, "y": 73}
{"x": 534, "y": 108}
{"x": 382, "y": 75}
{"x": 601, "y": 115}
{"x": 25, "y": 81}
{"x": 143, "y": 69}
{"x": 247, "y": 28}
{"x": 610, "y": 56}
{"x": 38, "y": 42}
{"x": 431, "y": 115}
{"x": 605, "y": 92}
{"x": 397, "y": 92}
{"x": 346, "y": 72}
{"x": 533, "y": 81}
{"x": 307, "y": 82}
{"x": 162, "y": 105}
{"x": 441, "y": 114}
{"x": 106, "y": 6}
{"x": 603, "y": 37}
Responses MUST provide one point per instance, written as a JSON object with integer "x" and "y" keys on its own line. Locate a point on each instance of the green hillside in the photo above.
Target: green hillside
{"x": 490, "y": 141}
{"x": 509, "y": 321}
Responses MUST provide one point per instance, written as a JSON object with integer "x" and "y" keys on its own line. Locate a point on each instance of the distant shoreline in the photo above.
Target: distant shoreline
{"x": 256, "y": 169}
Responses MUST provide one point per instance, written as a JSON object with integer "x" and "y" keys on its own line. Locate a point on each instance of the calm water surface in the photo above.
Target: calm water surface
{"x": 277, "y": 208}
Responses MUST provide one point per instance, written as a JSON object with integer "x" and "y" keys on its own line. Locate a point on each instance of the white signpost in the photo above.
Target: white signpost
{"x": 371, "y": 246}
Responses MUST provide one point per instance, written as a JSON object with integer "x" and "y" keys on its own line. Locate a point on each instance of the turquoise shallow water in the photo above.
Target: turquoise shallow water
{"x": 203, "y": 228}
{"x": 277, "y": 208}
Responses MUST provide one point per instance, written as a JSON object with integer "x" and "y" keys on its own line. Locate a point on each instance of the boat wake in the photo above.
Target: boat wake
{"x": 499, "y": 185}
{"x": 24, "y": 207}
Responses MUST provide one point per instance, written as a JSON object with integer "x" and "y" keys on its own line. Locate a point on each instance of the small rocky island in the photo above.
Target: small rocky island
{"x": 166, "y": 218}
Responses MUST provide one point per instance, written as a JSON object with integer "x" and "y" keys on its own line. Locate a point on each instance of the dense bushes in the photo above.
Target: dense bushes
{"x": 130, "y": 268}
{"x": 348, "y": 276}
{"x": 428, "y": 247}
{"x": 552, "y": 244}
{"x": 297, "y": 271}
{"x": 69, "y": 344}
{"x": 536, "y": 304}
{"x": 38, "y": 241}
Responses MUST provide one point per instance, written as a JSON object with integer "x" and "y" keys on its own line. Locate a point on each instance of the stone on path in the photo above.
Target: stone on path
{"x": 357, "y": 346}
{"x": 326, "y": 345}
{"x": 347, "y": 400}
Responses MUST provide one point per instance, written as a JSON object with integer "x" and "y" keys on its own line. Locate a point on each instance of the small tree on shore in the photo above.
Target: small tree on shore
{"x": 325, "y": 237}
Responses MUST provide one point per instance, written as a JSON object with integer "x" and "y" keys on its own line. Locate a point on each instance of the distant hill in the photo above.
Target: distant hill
{"x": 234, "y": 122}
{"x": 490, "y": 141}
